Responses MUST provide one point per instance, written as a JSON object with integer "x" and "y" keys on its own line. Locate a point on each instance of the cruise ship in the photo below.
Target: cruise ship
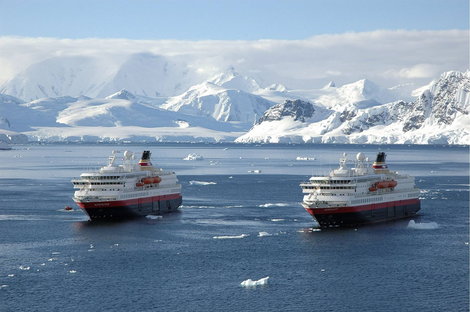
{"x": 127, "y": 190}
{"x": 360, "y": 195}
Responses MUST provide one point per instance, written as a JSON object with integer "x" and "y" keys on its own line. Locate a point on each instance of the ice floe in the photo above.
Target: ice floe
{"x": 251, "y": 283}
{"x": 277, "y": 220}
{"x": 230, "y": 236}
{"x": 422, "y": 226}
{"x": 304, "y": 158}
{"x": 24, "y": 267}
{"x": 72, "y": 271}
{"x": 267, "y": 205}
{"x": 263, "y": 234}
{"x": 193, "y": 156}
{"x": 153, "y": 217}
{"x": 201, "y": 183}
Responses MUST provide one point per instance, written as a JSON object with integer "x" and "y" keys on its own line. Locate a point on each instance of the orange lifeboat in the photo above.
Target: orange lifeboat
{"x": 386, "y": 184}
{"x": 157, "y": 180}
{"x": 139, "y": 184}
{"x": 147, "y": 180}
{"x": 372, "y": 188}
{"x": 382, "y": 184}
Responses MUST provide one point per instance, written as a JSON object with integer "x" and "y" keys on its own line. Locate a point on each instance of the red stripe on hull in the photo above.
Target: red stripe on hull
{"x": 349, "y": 209}
{"x": 128, "y": 202}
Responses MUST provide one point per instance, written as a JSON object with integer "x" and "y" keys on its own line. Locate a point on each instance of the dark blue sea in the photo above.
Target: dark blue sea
{"x": 233, "y": 226}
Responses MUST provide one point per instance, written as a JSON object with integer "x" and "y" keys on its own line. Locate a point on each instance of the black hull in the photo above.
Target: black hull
{"x": 130, "y": 211}
{"x": 350, "y": 219}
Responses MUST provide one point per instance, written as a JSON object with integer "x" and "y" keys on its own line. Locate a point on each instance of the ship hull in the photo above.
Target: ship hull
{"x": 365, "y": 214}
{"x": 132, "y": 208}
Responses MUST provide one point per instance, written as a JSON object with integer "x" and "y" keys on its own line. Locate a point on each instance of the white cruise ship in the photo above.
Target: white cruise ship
{"x": 360, "y": 195}
{"x": 127, "y": 190}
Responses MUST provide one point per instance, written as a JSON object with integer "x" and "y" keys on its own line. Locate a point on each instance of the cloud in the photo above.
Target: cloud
{"x": 417, "y": 71}
{"x": 387, "y": 57}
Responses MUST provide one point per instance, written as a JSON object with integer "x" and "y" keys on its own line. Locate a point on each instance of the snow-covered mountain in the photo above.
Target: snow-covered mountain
{"x": 226, "y": 106}
{"x": 141, "y": 73}
{"x": 439, "y": 115}
{"x": 226, "y": 97}
{"x": 121, "y": 116}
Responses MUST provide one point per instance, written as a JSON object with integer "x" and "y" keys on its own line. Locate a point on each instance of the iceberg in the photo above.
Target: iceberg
{"x": 422, "y": 226}
{"x": 201, "y": 183}
{"x": 230, "y": 236}
{"x": 250, "y": 283}
{"x": 193, "y": 156}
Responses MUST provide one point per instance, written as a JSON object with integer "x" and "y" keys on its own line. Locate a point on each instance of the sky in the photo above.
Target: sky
{"x": 224, "y": 19}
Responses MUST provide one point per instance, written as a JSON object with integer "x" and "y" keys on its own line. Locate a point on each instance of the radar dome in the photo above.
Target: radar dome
{"x": 128, "y": 154}
{"x": 360, "y": 156}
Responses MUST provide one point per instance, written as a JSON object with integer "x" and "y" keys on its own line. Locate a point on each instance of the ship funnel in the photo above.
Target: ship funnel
{"x": 145, "y": 160}
{"x": 379, "y": 162}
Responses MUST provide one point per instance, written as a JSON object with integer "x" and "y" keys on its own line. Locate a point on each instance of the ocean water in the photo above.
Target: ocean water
{"x": 233, "y": 226}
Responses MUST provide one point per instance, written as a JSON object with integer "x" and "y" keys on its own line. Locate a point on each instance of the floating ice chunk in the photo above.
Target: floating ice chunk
{"x": 182, "y": 123}
{"x": 251, "y": 283}
{"x": 11, "y": 275}
{"x": 230, "y": 236}
{"x": 153, "y": 217}
{"x": 263, "y": 234}
{"x": 3, "y": 286}
{"x": 254, "y": 171}
{"x": 304, "y": 158}
{"x": 72, "y": 271}
{"x": 267, "y": 205}
{"x": 193, "y": 156}
{"x": 24, "y": 267}
{"x": 56, "y": 252}
{"x": 277, "y": 220}
{"x": 422, "y": 226}
{"x": 201, "y": 183}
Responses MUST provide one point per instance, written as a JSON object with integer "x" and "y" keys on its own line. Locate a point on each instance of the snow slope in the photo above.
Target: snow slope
{"x": 122, "y": 116}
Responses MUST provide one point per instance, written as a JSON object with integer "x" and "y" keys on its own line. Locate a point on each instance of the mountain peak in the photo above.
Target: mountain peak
{"x": 330, "y": 84}
{"x": 298, "y": 109}
{"x": 233, "y": 80}
{"x": 122, "y": 94}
